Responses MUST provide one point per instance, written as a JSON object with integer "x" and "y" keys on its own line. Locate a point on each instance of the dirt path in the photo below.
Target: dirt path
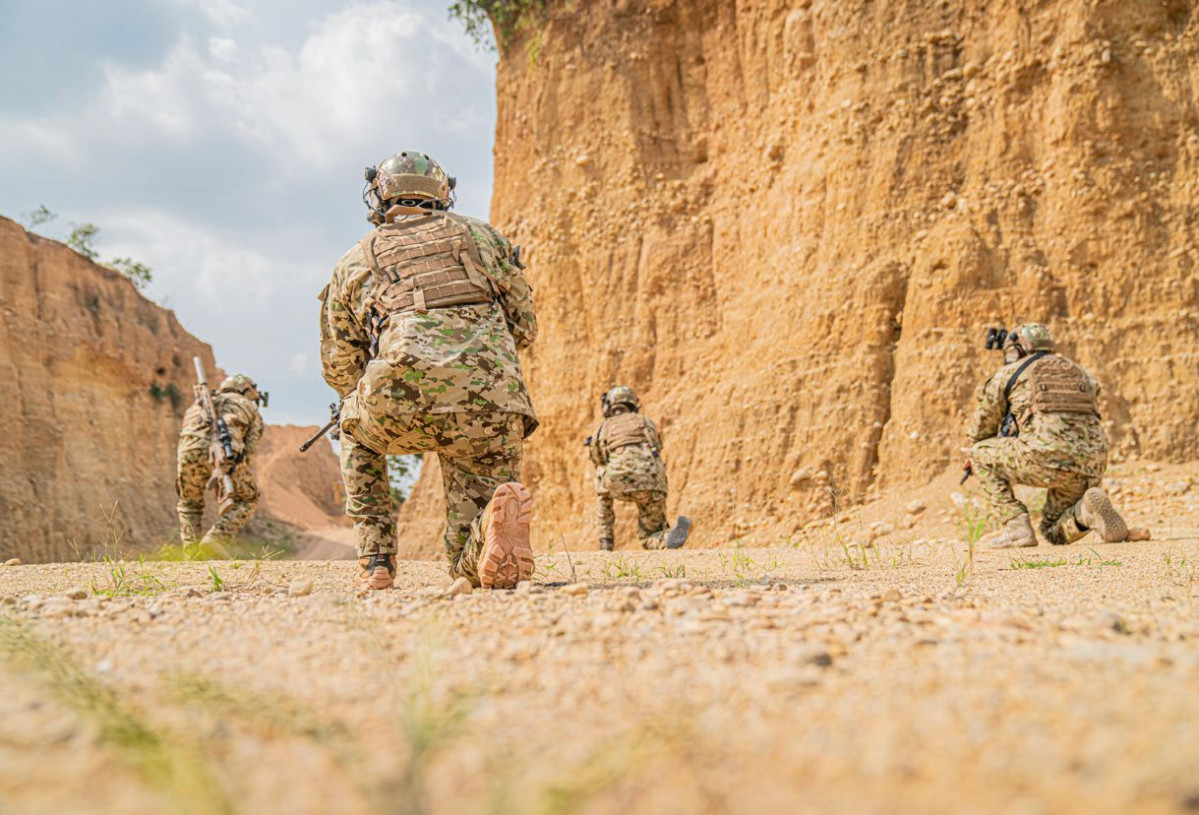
{"x": 765, "y": 680}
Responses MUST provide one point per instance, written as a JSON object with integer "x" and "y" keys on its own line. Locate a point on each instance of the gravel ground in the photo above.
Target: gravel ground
{"x": 871, "y": 666}
{"x": 754, "y": 680}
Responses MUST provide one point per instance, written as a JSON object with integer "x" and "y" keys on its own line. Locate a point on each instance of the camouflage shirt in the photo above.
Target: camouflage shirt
{"x": 1073, "y": 441}
{"x": 241, "y": 417}
{"x": 633, "y": 468}
{"x": 460, "y": 359}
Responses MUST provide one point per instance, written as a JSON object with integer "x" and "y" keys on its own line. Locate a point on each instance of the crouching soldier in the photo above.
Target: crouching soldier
{"x": 1037, "y": 424}
{"x": 236, "y": 404}
{"x": 626, "y": 451}
{"x": 420, "y": 326}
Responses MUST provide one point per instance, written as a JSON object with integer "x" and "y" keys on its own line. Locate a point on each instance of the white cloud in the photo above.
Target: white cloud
{"x": 221, "y": 12}
{"x": 222, "y": 49}
{"x": 162, "y": 98}
{"x": 193, "y": 257}
{"x": 361, "y": 68}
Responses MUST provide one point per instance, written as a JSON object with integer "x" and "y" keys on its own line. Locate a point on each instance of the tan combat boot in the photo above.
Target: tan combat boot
{"x": 1095, "y": 511}
{"x": 216, "y": 545}
{"x": 378, "y": 572}
{"x": 1015, "y": 533}
{"x": 506, "y": 557}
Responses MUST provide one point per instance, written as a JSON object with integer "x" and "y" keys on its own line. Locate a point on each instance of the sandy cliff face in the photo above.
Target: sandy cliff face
{"x": 302, "y": 490}
{"x": 787, "y": 224}
{"x": 94, "y": 379}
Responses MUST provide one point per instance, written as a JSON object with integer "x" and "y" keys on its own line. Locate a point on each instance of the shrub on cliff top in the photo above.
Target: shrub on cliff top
{"x": 506, "y": 16}
{"x": 83, "y": 239}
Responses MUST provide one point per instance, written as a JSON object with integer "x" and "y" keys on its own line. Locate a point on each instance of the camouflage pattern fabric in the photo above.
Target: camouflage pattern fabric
{"x": 631, "y": 469}
{"x": 478, "y": 453}
{"x": 444, "y": 380}
{"x": 447, "y": 360}
{"x": 631, "y": 474}
{"x": 1001, "y": 463}
{"x": 194, "y": 466}
{"x": 1064, "y": 452}
{"x": 651, "y": 516}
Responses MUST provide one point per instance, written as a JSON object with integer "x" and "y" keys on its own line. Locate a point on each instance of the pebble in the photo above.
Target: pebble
{"x": 575, "y": 590}
{"x": 461, "y": 586}
{"x": 300, "y": 587}
{"x": 76, "y": 594}
{"x": 13, "y": 561}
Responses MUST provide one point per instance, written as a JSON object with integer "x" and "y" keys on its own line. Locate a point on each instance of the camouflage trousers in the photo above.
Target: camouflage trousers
{"x": 194, "y": 471}
{"x": 1001, "y": 463}
{"x": 478, "y": 452}
{"x": 651, "y": 515}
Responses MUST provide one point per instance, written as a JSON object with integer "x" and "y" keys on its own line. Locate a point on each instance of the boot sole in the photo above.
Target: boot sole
{"x": 1111, "y": 526}
{"x": 678, "y": 533}
{"x": 1011, "y": 545}
{"x": 507, "y": 557}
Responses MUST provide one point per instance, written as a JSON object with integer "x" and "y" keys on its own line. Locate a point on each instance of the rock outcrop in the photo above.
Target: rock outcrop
{"x": 94, "y": 379}
{"x": 788, "y": 225}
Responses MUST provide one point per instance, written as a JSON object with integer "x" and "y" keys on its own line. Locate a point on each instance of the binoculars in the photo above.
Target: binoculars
{"x": 995, "y": 338}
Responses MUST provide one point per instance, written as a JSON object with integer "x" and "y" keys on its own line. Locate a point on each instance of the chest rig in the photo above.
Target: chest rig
{"x": 425, "y": 262}
{"x": 624, "y": 430}
{"x": 1060, "y": 386}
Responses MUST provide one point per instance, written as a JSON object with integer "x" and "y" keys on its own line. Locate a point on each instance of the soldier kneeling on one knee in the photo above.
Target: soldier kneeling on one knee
{"x": 628, "y": 467}
{"x": 1037, "y": 424}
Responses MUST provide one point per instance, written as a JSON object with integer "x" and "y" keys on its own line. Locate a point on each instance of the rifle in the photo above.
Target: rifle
{"x": 220, "y": 448}
{"x": 334, "y": 420}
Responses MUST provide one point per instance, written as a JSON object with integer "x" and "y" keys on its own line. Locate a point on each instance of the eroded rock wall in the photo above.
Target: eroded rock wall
{"x": 94, "y": 379}
{"x": 788, "y": 224}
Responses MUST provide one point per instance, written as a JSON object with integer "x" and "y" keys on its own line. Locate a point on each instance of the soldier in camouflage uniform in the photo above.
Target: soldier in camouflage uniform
{"x": 237, "y": 402}
{"x": 628, "y": 467}
{"x": 420, "y": 328}
{"x": 1037, "y": 424}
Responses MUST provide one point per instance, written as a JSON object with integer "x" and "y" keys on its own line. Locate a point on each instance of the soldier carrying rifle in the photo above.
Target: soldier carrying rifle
{"x": 216, "y": 448}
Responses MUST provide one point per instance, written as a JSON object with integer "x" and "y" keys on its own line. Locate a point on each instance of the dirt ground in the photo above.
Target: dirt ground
{"x": 823, "y": 675}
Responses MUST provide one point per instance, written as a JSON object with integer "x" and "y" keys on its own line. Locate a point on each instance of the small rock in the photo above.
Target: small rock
{"x": 300, "y": 587}
{"x": 892, "y": 595}
{"x": 915, "y": 507}
{"x": 575, "y": 590}
{"x": 76, "y": 594}
{"x": 459, "y": 586}
{"x": 809, "y": 654}
{"x": 56, "y": 608}
{"x": 1110, "y": 620}
{"x": 13, "y": 561}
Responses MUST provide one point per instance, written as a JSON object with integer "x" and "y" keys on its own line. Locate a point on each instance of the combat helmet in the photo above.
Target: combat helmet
{"x": 621, "y": 395}
{"x": 240, "y": 383}
{"x": 411, "y": 180}
{"x": 1027, "y": 339}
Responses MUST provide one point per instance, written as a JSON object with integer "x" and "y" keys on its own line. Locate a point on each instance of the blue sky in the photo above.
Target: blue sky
{"x": 222, "y": 143}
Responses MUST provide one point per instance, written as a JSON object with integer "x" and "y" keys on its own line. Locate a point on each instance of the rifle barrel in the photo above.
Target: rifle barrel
{"x": 319, "y": 434}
